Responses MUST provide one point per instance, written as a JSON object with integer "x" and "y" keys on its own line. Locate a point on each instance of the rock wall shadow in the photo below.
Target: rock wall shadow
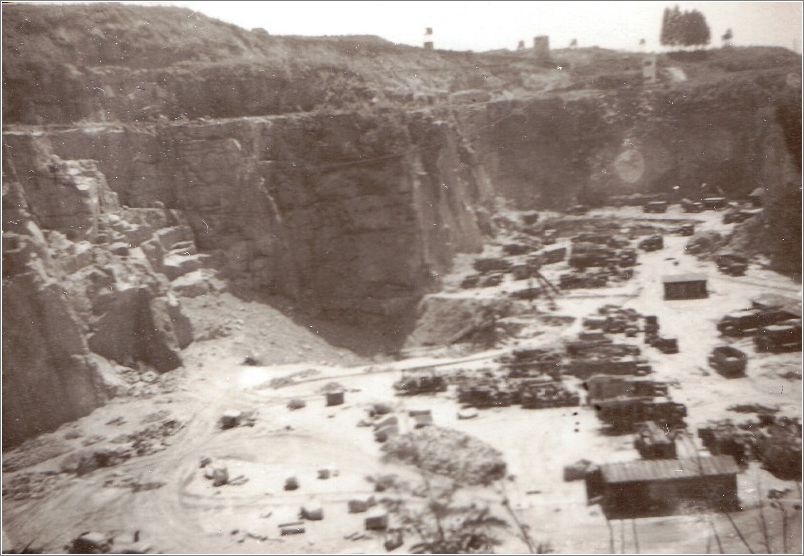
{"x": 372, "y": 338}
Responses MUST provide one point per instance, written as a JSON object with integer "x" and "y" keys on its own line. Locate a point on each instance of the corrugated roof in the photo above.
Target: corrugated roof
{"x": 668, "y": 469}
{"x": 684, "y": 278}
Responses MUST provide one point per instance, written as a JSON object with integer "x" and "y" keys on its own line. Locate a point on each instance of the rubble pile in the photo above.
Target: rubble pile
{"x": 778, "y": 447}
{"x": 420, "y": 384}
{"x": 449, "y": 453}
{"x": 31, "y": 485}
{"x": 603, "y": 387}
{"x": 704, "y": 243}
{"x": 529, "y": 363}
{"x": 774, "y": 326}
{"x": 598, "y": 258}
{"x": 775, "y": 441}
{"x": 542, "y": 396}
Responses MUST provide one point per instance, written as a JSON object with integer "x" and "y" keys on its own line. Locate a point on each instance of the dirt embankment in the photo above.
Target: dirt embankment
{"x": 138, "y": 63}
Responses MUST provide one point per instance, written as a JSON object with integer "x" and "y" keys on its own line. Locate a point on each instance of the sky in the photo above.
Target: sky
{"x": 488, "y": 25}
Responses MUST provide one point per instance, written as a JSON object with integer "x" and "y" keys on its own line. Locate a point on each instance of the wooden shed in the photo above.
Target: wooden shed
{"x": 685, "y": 286}
{"x": 334, "y": 398}
{"x": 655, "y": 487}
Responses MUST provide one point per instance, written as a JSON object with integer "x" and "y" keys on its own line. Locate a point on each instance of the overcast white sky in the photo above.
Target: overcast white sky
{"x": 490, "y": 25}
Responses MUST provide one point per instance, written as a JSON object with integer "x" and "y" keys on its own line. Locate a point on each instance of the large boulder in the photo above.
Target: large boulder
{"x": 136, "y": 326}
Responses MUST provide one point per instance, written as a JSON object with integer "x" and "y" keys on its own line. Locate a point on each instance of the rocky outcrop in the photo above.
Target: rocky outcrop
{"x": 136, "y": 326}
{"x": 776, "y": 232}
{"x": 78, "y": 291}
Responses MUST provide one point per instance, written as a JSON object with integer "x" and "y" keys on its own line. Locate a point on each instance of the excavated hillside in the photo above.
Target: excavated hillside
{"x": 162, "y": 155}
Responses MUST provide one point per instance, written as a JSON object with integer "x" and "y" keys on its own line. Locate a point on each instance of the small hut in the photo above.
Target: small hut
{"x": 685, "y": 286}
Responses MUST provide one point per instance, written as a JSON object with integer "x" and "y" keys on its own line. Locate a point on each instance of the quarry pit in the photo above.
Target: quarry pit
{"x": 219, "y": 302}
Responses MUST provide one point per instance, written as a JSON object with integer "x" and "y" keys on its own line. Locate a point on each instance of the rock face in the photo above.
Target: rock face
{"x": 585, "y": 146}
{"x": 71, "y": 305}
{"x": 355, "y": 215}
{"x": 135, "y": 325}
{"x": 49, "y": 376}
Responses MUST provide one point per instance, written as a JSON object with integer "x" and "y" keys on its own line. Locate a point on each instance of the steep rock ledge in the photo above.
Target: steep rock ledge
{"x": 80, "y": 296}
{"x": 355, "y": 215}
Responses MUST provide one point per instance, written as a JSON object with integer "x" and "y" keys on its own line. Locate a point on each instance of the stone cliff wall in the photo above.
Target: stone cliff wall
{"x": 80, "y": 296}
{"x": 354, "y": 215}
{"x": 584, "y": 146}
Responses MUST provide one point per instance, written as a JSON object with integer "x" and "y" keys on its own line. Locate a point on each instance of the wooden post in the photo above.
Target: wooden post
{"x": 622, "y": 536}
{"x": 739, "y": 533}
{"x": 611, "y": 536}
{"x": 717, "y": 537}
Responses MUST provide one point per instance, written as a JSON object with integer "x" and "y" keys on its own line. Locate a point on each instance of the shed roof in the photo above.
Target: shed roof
{"x": 668, "y": 469}
{"x": 684, "y": 278}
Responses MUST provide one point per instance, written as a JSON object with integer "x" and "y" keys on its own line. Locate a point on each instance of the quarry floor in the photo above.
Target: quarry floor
{"x": 187, "y": 514}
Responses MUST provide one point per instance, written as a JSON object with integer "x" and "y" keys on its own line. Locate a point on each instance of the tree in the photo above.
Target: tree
{"x": 694, "y": 29}
{"x": 688, "y": 28}
{"x": 442, "y": 519}
{"x": 442, "y": 524}
{"x": 664, "y": 36}
{"x": 726, "y": 38}
{"x": 670, "y": 35}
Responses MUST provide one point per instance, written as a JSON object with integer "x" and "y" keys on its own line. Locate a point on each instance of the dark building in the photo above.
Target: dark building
{"x": 541, "y": 47}
{"x": 685, "y": 286}
{"x": 334, "y": 398}
{"x": 657, "y": 487}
